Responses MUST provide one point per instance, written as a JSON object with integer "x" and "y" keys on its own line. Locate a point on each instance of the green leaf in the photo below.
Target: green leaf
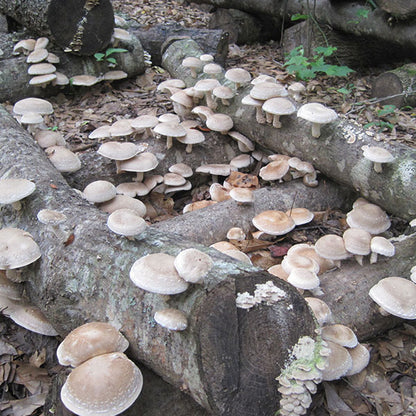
{"x": 338, "y": 71}
{"x": 110, "y": 51}
{"x": 305, "y": 74}
{"x": 112, "y": 61}
{"x": 362, "y": 13}
{"x": 325, "y": 50}
{"x": 386, "y": 110}
{"x": 297, "y": 60}
{"x": 298, "y": 16}
{"x": 99, "y": 56}
{"x": 344, "y": 91}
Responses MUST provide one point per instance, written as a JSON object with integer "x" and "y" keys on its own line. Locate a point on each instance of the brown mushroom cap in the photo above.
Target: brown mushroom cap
{"x": 104, "y": 385}
{"x": 396, "y": 295}
{"x": 157, "y": 273}
{"x": 17, "y": 248}
{"x": 273, "y": 222}
{"x": 300, "y": 215}
{"x": 89, "y": 340}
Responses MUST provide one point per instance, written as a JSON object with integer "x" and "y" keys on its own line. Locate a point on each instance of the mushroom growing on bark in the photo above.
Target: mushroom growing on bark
{"x": 318, "y": 115}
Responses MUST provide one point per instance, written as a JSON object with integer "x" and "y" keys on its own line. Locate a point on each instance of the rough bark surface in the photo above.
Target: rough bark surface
{"x": 89, "y": 280}
{"x": 399, "y": 85}
{"x": 212, "y": 41}
{"x": 400, "y": 9}
{"x": 337, "y": 153}
{"x": 341, "y": 16}
{"x": 84, "y": 27}
{"x": 14, "y": 79}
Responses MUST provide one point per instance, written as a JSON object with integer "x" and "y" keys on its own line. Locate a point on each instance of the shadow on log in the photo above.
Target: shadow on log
{"x": 227, "y": 359}
{"x": 82, "y": 27}
{"x": 337, "y": 153}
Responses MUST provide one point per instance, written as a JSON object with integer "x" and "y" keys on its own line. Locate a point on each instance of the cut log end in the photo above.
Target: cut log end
{"x": 81, "y": 27}
{"x": 243, "y": 350}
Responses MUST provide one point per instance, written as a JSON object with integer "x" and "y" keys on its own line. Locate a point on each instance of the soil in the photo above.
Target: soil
{"x": 387, "y": 386}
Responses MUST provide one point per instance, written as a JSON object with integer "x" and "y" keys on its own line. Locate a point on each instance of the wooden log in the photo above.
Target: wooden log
{"x": 341, "y": 16}
{"x": 14, "y": 79}
{"x": 81, "y": 27}
{"x": 213, "y": 41}
{"x": 397, "y": 85}
{"x": 227, "y": 359}
{"x": 337, "y": 153}
{"x": 399, "y": 9}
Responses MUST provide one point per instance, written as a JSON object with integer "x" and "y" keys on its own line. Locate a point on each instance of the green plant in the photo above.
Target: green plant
{"x": 308, "y": 68}
{"x": 106, "y": 56}
{"x": 386, "y": 118}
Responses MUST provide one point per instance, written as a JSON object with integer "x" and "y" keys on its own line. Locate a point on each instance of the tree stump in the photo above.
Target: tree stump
{"x": 82, "y": 27}
{"x": 397, "y": 85}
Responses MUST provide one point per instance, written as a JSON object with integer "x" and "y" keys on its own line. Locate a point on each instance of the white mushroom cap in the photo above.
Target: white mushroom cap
{"x": 340, "y": 334}
{"x": 202, "y": 111}
{"x": 303, "y": 279}
{"x": 212, "y": 69}
{"x": 182, "y": 169}
{"x": 118, "y": 150}
{"x": 238, "y": 76}
{"x": 396, "y": 295}
{"x": 274, "y": 170}
{"x": 360, "y": 358}
{"x": 206, "y": 57}
{"x": 242, "y": 195}
{"x": 318, "y": 114}
{"x": 37, "y": 55}
{"x": 381, "y": 245}
{"x": 32, "y": 318}
{"x": 123, "y": 201}
{"x": 157, "y": 273}
{"x": 17, "y": 248}
{"x": 378, "y": 155}
{"x": 99, "y": 191}
{"x": 357, "y": 242}
{"x": 121, "y": 128}
{"x": 273, "y": 222}
{"x": 114, "y": 75}
{"x": 105, "y": 385}
{"x": 89, "y": 340}
{"x": 13, "y": 190}
{"x": 142, "y": 162}
{"x": 51, "y": 217}
{"x": 300, "y": 215}
{"x": 10, "y": 290}
{"x": 172, "y": 319}
{"x": 48, "y": 138}
{"x": 193, "y": 63}
{"x": 120, "y": 34}
{"x": 243, "y": 142}
{"x": 132, "y": 189}
{"x": 127, "y": 222}
{"x": 276, "y": 107}
{"x": 257, "y": 104}
{"x": 193, "y": 265}
{"x": 220, "y": 122}
{"x": 339, "y": 362}
{"x": 295, "y": 90}
{"x": 24, "y": 46}
{"x": 369, "y": 217}
{"x": 236, "y": 233}
{"x": 32, "y": 105}
{"x": 61, "y": 79}
{"x": 100, "y": 132}
{"x": 84, "y": 80}
{"x": 63, "y": 159}
{"x": 320, "y": 309}
{"x": 266, "y": 90}
{"x": 331, "y": 246}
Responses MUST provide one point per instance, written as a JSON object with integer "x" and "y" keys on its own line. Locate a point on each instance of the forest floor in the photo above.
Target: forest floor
{"x": 387, "y": 386}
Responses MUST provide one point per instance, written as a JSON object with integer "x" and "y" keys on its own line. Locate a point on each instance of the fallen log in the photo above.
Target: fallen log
{"x": 341, "y": 16}
{"x": 399, "y": 9}
{"x": 83, "y": 28}
{"x": 337, "y": 153}
{"x": 227, "y": 359}
{"x": 397, "y": 86}
{"x": 14, "y": 78}
{"x": 212, "y": 41}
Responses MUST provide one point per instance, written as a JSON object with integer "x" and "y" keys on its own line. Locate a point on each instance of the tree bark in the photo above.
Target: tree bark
{"x": 212, "y": 41}
{"x": 84, "y": 27}
{"x": 341, "y": 16}
{"x": 337, "y": 153}
{"x": 398, "y": 85}
{"x": 227, "y": 359}
{"x": 14, "y": 79}
{"x": 399, "y": 9}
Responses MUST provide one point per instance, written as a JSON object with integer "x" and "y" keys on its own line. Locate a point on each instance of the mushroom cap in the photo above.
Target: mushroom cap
{"x": 104, "y": 385}
{"x": 377, "y": 154}
{"x": 173, "y": 179}
{"x": 206, "y": 85}
{"x": 144, "y": 121}
{"x": 89, "y": 340}
{"x": 123, "y": 201}
{"x": 266, "y": 90}
{"x": 41, "y": 69}
{"x": 317, "y": 113}
{"x": 172, "y": 319}
{"x": 212, "y": 68}
{"x": 360, "y": 358}
{"x": 48, "y": 138}
{"x": 32, "y": 105}
{"x": 132, "y": 189}
{"x": 170, "y": 129}
{"x": 17, "y": 248}
{"x": 37, "y": 55}
{"x": 13, "y": 190}
{"x": 63, "y": 159}
{"x": 24, "y": 46}
{"x": 331, "y": 246}
{"x": 249, "y": 100}
{"x": 61, "y": 79}
{"x": 340, "y": 334}
{"x": 396, "y": 295}
{"x": 273, "y": 222}
{"x": 219, "y": 122}
{"x": 357, "y": 241}
{"x": 84, "y": 80}
{"x": 192, "y": 62}
{"x": 244, "y": 143}
{"x": 223, "y": 92}
{"x": 300, "y": 215}
{"x": 157, "y": 273}
{"x": 243, "y": 195}
{"x": 278, "y": 106}
{"x": 31, "y": 118}
{"x": 320, "y": 309}
{"x": 41, "y": 80}
{"x": 274, "y": 170}
{"x": 51, "y": 217}
{"x": 99, "y": 191}
{"x": 193, "y": 265}
{"x": 121, "y": 34}
{"x": 297, "y": 261}
{"x": 182, "y": 98}
{"x": 238, "y": 75}
{"x": 100, "y": 132}
{"x": 32, "y": 318}
{"x": 339, "y": 362}
{"x": 202, "y": 111}
{"x": 142, "y": 162}
{"x": 236, "y": 233}
{"x": 192, "y": 136}
{"x": 369, "y": 217}
{"x": 125, "y": 221}
{"x": 303, "y": 279}
{"x": 121, "y": 128}
{"x": 118, "y": 150}
{"x": 114, "y": 75}
{"x": 182, "y": 169}
{"x": 220, "y": 169}
{"x": 206, "y": 57}
{"x": 383, "y": 246}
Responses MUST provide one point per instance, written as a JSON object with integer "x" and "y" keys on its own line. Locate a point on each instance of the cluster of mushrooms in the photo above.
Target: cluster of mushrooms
{"x": 44, "y": 72}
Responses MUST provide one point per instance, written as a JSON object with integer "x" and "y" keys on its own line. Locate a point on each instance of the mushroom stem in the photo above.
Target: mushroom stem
{"x": 259, "y": 116}
{"x": 269, "y": 118}
{"x": 188, "y": 148}
{"x": 118, "y": 169}
{"x": 276, "y": 121}
{"x": 378, "y": 167}
{"x": 17, "y": 205}
{"x": 139, "y": 177}
{"x": 169, "y": 142}
{"x": 373, "y": 257}
{"x": 316, "y": 130}
{"x": 210, "y": 100}
{"x": 359, "y": 259}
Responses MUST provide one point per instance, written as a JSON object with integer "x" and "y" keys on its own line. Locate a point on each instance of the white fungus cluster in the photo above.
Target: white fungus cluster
{"x": 299, "y": 379}
{"x": 266, "y": 292}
